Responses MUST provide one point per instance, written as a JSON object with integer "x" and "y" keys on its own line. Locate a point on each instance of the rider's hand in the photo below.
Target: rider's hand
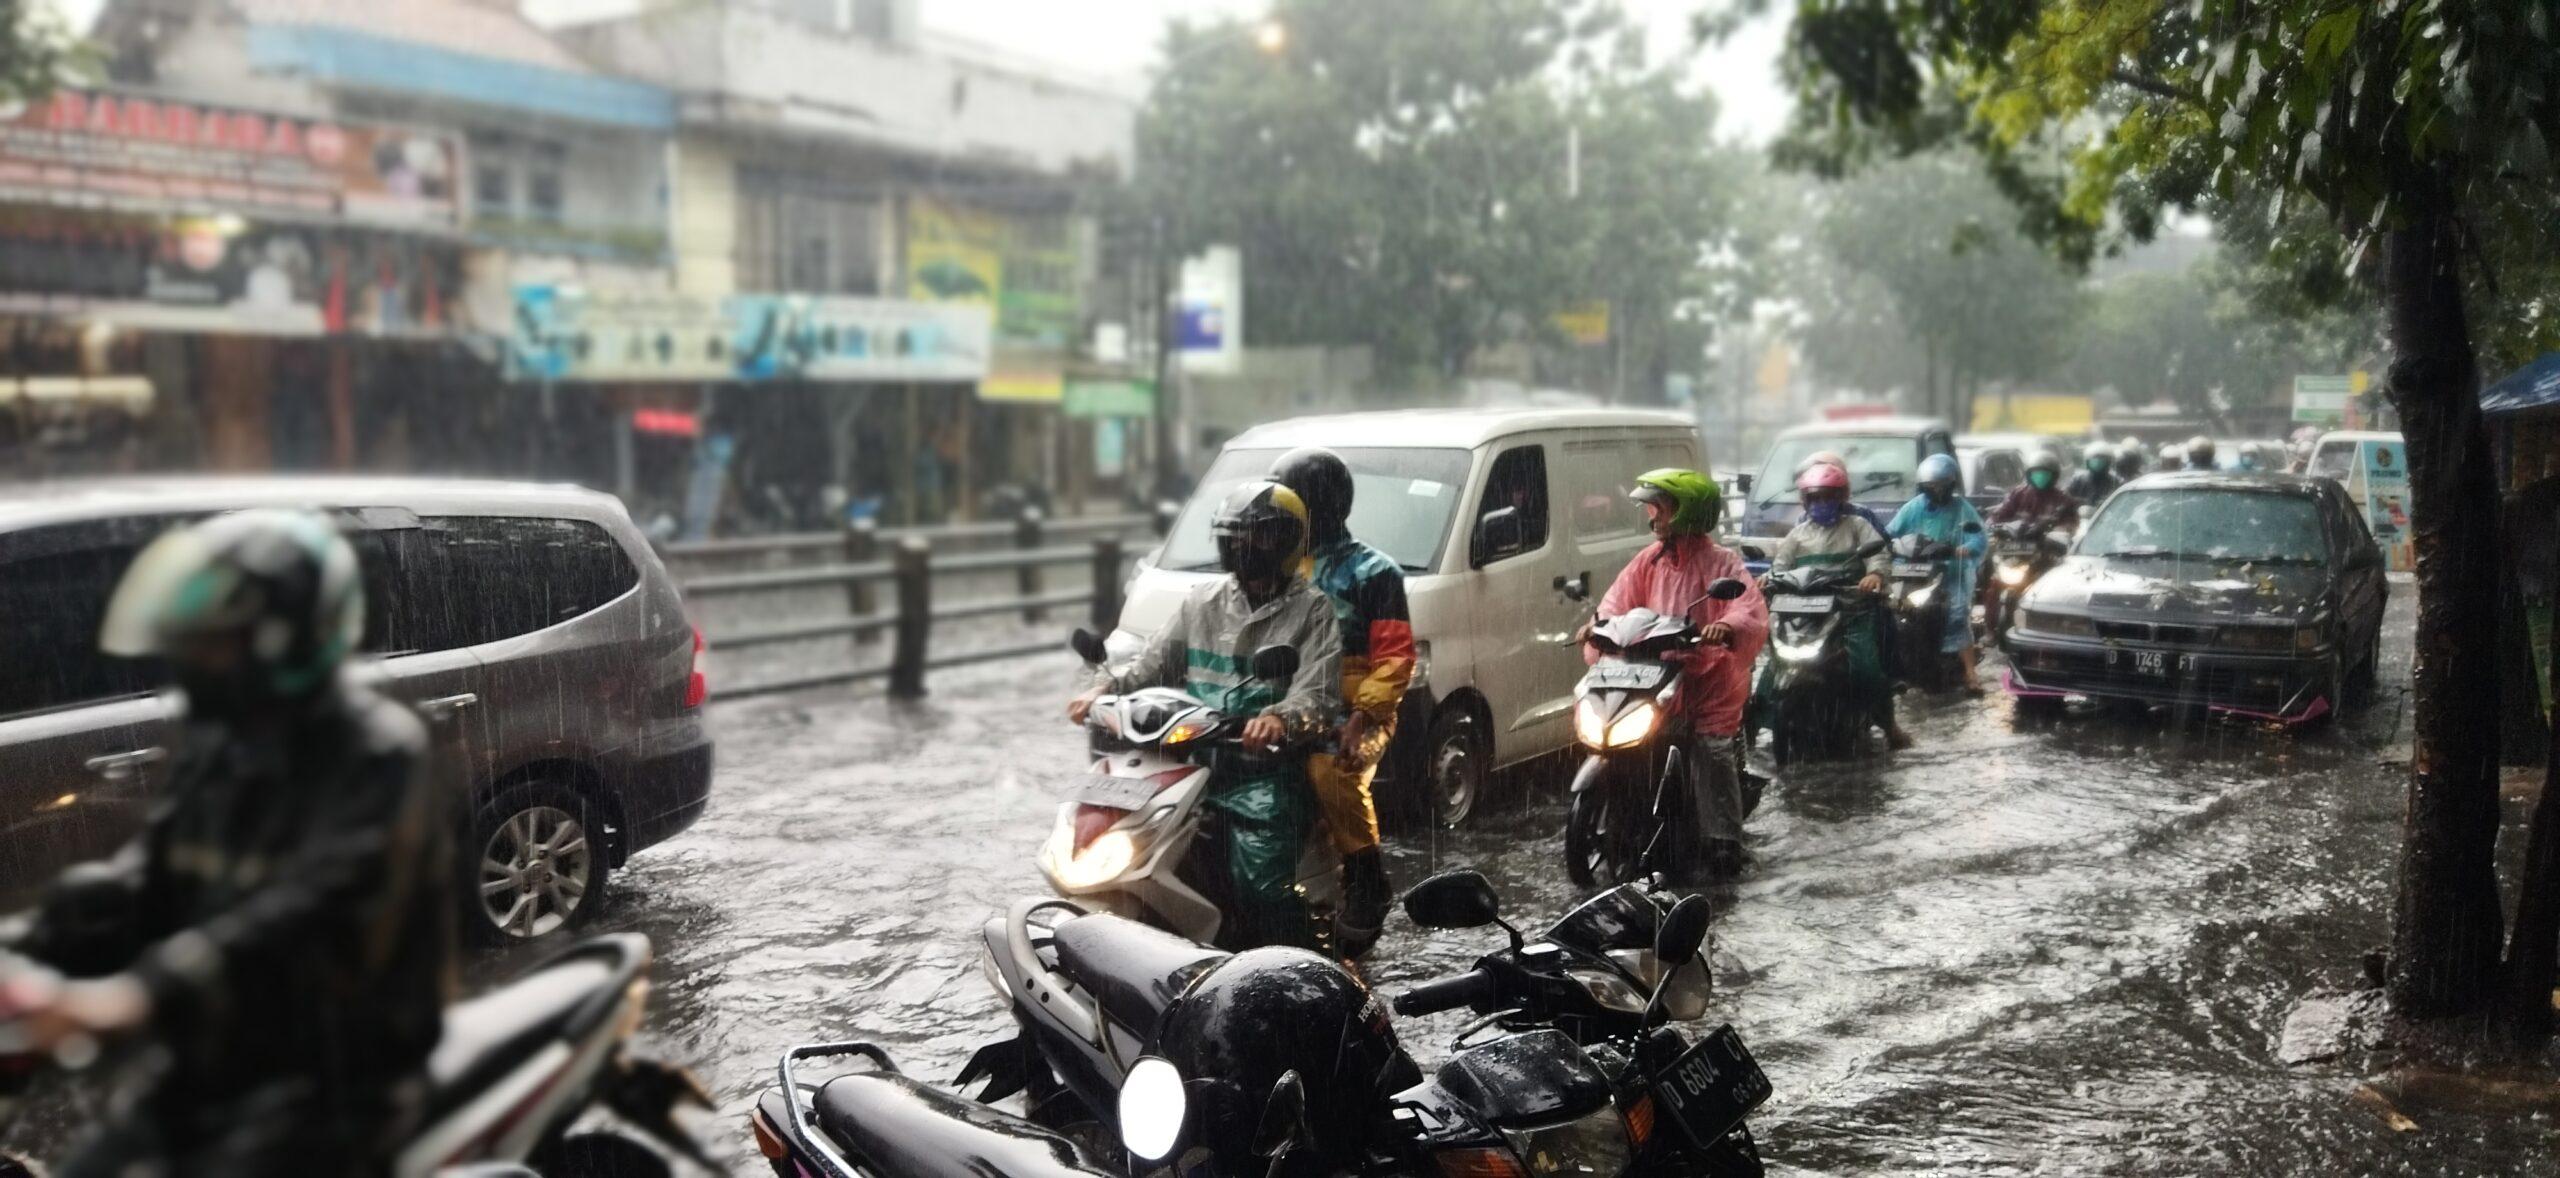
{"x": 1264, "y": 732}
{"x": 1080, "y": 706}
{"x": 90, "y": 1007}
{"x": 1716, "y": 634}
{"x": 1354, "y": 731}
{"x": 1872, "y": 583}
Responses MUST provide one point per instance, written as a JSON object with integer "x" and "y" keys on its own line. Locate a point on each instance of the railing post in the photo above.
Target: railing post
{"x": 862, "y": 546}
{"x": 1106, "y": 584}
{"x": 1027, "y": 530}
{"x": 1161, "y": 515}
{"x": 911, "y": 562}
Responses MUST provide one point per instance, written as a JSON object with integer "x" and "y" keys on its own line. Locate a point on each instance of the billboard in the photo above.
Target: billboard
{"x": 2322, "y": 400}
{"x": 2386, "y": 501}
{"x": 565, "y": 333}
{"x": 100, "y": 148}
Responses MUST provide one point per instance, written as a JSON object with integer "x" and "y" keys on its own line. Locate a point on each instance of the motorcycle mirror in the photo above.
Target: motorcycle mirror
{"x": 1453, "y": 899}
{"x": 1684, "y": 932}
{"x": 1284, "y": 1119}
{"x": 1726, "y": 588}
{"x": 1573, "y": 590}
{"x": 1152, "y": 1109}
{"x": 1277, "y": 663}
{"x": 1088, "y": 646}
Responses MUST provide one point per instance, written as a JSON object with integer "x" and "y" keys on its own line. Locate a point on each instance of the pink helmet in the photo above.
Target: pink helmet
{"x": 1822, "y": 458}
{"x": 1822, "y": 476}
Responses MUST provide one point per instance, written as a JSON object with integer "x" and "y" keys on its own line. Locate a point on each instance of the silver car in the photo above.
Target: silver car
{"x": 531, "y": 625}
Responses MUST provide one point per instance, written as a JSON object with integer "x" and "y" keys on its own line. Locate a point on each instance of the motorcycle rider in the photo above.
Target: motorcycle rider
{"x": 2200, "y": 453}
{"x": 2096, "y": 479}
{"x": 282, "y": 928}
{"x": 1833, "y": 458}
{"x": 2172, "y": 457}
{"x": 1366, "y": 588}
{"x": 2129, "y": 455}
{"x": 1937, "y": 513}
{"x": 1206, "y": 649}
{"x": 1670, "y": 577}
{"x": 2038, "y": 500}
{"x": 1828, "y": 534}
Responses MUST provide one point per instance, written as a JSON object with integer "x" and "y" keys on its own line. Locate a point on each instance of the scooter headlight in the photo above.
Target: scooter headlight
{"x": 1921, "y": 595}
{"x": 1600, "y": 732}
{"x": 1100, "y": 862}
{"x": 2013, "y": 574}
{"x": 1608, "y": 988}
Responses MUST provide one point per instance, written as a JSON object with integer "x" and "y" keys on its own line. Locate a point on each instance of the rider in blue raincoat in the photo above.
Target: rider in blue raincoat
{"x": 1938, "y": 513}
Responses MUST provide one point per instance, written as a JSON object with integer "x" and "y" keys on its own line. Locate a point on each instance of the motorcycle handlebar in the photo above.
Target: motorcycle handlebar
{"x": 1472, "y": 988}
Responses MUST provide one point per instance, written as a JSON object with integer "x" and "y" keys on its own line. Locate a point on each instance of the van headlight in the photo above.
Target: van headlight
{"x": 1100, "y": 862}
{"x": 1627, "y": 731}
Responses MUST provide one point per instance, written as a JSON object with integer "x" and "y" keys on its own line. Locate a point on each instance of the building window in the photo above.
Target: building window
{"x": 506, "y": 168}
{"x": 795, "y": 234}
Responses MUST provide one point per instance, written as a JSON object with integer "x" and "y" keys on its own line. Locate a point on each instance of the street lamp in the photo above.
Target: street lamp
{"x": 1271, "y": 36}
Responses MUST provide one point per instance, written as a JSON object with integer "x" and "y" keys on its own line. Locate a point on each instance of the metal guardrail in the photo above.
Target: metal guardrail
{"x": 907, "y": 562}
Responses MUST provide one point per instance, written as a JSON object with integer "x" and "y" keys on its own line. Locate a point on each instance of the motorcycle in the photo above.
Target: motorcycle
{"x": 879, "y": 1123}
{"x": 1922, "y": 573}
{"x": 518, "y": 1067}
{"x": 2021, "y": 552}
{"x": 1814, "y": 706}
{"x": 1135, "y": 835}
{"x": 1632, "y": 812}
{"x": 1518, "y": 1096}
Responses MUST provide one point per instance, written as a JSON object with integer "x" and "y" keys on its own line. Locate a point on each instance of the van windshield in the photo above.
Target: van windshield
{"x": 1401, "y": 503}
{"x": 1881, "y": 466}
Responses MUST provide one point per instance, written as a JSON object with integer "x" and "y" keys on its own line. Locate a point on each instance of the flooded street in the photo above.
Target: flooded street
{"x": 2006, "y": 951}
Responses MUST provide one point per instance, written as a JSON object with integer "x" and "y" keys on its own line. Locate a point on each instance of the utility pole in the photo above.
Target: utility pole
{"x": 1168, "y": 407}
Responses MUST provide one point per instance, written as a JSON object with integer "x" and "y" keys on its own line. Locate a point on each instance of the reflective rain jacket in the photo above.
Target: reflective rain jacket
{"x": 1668, "y": 577}
{"x": 1205, "y": 646}
{"x": 1944, "y": 523}
{"x": 1367, "y": 592}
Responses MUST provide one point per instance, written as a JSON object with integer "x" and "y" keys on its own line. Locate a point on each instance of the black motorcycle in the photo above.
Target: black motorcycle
{"x": 1923, "y": 577}
{"x": 1632, "y": 812}
{"x": 2021, "y": 552}
{"x": 1811, "y": 702}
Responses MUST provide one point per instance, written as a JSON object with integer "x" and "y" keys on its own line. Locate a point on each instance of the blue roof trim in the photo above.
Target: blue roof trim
{"x": 2534, "y": 386}
{"x": 347, "y": 57}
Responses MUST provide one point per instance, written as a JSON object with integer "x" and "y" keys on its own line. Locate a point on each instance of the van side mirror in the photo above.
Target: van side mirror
{"x": 1453, "y": 899}
{"x": 1742, "y": 485}
{"x": 1726, "y": 589}
{"x": 1088, "y": 646}
{"x": 1499, "y": 534}
{"x": 1277, "y": 663}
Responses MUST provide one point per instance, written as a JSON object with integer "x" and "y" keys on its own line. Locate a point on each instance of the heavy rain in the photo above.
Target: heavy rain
{"x": 1258, "y": 588}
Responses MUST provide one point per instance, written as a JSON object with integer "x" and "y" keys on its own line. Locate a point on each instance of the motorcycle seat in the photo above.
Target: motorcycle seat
{"x": 1132, "y": 970}
{"x": 894, "y": 1125}
{"x": 559, "y": 1001}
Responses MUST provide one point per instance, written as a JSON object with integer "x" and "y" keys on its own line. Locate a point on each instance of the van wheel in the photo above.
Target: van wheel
{"x": 1458, "y": 765}
{"x": 538, "y": 863}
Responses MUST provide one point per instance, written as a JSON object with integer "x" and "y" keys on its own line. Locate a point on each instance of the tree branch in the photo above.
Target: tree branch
{"x": 2155, "y": 87}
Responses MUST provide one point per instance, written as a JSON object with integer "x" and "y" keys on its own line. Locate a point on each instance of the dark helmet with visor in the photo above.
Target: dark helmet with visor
{"x": 251, "y": 608}
{"x": 1323, "y": 482}
{"x": 1261, "y": 530}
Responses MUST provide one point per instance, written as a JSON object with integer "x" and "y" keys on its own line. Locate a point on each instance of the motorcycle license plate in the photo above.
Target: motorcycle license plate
{"x": 1712, "y": 1086}
{"x": 2150, "y": 664}
{"x": 1622, "y": 677}
{"x": 1119, "y": 793}
{"x": 1914, "y": 568}
{"x": 1797, "y": 603}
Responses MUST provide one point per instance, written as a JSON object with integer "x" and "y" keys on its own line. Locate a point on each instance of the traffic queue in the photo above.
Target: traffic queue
{"x": 281, "y": 931}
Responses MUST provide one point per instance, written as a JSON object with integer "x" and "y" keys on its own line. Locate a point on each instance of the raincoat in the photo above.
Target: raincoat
{"x": 1811, "y": 543}
{"x": 1944, "y": 523}
{"x": 2091, "y": 487}
{"x": 1366, "y": 589}
{"x": 1667, "y": 577}
{"x": 290, "y": 909}
{"x": 2025, "y": 502}
{"x": 1205, "y": 649}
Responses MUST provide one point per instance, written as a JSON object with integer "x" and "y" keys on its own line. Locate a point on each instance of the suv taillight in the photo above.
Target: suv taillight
{"x": 696, "y": 688}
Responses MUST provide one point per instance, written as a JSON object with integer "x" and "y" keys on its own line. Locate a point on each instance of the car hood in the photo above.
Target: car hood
{"x": 2189, "y": 591}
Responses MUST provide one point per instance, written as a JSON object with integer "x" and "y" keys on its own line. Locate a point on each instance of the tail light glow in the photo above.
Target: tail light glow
{"x": 697, "y": 688}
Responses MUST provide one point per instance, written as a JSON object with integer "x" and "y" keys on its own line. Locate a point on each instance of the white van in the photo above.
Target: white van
{"x": 1492, "y": 513}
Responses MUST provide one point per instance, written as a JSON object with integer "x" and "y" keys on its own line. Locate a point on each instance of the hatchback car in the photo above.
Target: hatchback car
{"x": 2255, "y": 594}
{"x": 531, "y": 626}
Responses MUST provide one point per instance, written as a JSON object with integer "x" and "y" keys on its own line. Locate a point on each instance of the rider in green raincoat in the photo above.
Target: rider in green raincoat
{"x": 1261, "y": 529}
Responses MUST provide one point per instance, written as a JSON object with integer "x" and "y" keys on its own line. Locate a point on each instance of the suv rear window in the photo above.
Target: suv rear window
{"x": 54, "y": 584}
{"x": 474, "y": 579}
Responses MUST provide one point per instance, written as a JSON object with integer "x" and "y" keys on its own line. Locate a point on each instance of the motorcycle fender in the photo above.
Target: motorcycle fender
{"x": 1666, "y": 801}
{"x": 1595, "y": 769}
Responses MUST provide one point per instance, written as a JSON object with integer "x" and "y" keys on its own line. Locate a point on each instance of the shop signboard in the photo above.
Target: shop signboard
{"x": 108, "y": 149}
{"x": 568, "y": 333}
{"x": 2386, "y": 501}
{"x": 564, "y": 333}
{"x": 222, "y": 274}
{"x": 1102, "y": 398}
{"x": 2322, "y": 400}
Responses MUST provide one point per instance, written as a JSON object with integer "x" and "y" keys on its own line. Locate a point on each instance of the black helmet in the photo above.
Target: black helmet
{"x": 1262, "y": 1014}
{"x": 1323, "y": 482}
{"x": 1261, "y": 529}
{"x": 250, "y": 609}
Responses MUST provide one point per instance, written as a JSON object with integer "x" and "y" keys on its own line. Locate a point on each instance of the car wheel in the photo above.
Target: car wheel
{"x": 538, "y": 864}
{"x": 1459, "y": 765}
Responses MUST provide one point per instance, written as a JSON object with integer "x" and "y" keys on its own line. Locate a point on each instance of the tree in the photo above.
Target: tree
{"x": 2412, "y": 125}
{"x": 36, "y": 51}
{"x": 1433, "y": 177}
{"x": 2201, "y": 338}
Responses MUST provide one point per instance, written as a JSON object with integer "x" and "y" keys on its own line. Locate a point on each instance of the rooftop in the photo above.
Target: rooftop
{"x": 1444, "y": 428}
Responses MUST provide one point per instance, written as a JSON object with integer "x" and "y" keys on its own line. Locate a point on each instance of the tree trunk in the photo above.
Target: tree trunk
{"x": 2533, "y": 953}
{"x": 2446, "y": 925}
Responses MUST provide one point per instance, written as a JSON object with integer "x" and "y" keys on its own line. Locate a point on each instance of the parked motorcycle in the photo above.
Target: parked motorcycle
{"x": 1135, "y": 835}
{"x": 519, "y": 1067}
{"x": 879, "y": 1123}
{"x": 1923, "y": 576}
{"x": 2021, "y": 552}
{"x": 1632, "y": 812}
{"x": 1814, "y": 707}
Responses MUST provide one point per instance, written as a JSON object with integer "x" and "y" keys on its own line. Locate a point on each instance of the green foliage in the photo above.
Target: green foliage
{"x": 1400, "y": 176}
{"x": 36, "y": 51}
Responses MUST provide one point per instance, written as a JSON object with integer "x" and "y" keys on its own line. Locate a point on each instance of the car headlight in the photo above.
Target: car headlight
{"x": 2306, "y": 640}
{"x": 1100, "y": 862}
{"x": 2048, "y": 622}
{"x": 2013, "y": 573}
{"x": 1607, "y": 988}
{"x": 1627, "y": 731}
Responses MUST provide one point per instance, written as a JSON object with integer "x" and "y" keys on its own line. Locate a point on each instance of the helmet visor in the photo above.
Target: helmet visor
{"x": 159, "y": 589}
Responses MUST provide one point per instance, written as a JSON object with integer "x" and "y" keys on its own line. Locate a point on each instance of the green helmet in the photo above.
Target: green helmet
{"x": 1696, "y": 501}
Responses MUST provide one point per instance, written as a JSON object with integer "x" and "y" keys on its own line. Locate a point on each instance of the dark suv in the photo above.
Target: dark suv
{"x": 531, "y": 625}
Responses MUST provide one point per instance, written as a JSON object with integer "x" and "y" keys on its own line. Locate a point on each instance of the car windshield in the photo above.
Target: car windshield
{"x": 1880, "y": 465}
{"x": 1401, "y": 503}
{"x": 2208, "y": 523}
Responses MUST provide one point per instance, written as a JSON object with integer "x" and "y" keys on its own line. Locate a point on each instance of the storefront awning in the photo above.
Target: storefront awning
{"x": 130, "y": 393}
{"x": 2534, "y": 386}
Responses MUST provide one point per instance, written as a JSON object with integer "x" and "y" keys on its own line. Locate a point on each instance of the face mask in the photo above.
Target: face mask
{"x": 2097, "y": 466}
{"x": 2041, "y": 480}
{"x": 1824, "y": 512}
{"x": 1938, "y": 494}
